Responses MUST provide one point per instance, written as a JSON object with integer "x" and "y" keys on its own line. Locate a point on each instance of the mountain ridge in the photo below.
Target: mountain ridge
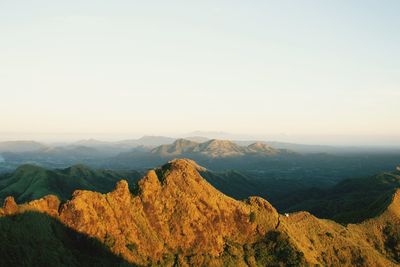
{"x": 177, "y": 216}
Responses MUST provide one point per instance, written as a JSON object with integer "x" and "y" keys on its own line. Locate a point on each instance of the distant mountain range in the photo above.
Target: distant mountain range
{"x": 150, "y": 142}
{"x": 21, "y": 146}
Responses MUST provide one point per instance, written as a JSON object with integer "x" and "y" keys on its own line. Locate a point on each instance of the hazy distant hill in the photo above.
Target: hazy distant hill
{"x": 113, "y": 148}
{"x": 219, "y": 149}
{"x": 20, "y": 146}
{"x": 179, "y": 147}
{"x": 213, "y": 149}
{"x": 58, "y": 157}
{"x": 214, "y": 154}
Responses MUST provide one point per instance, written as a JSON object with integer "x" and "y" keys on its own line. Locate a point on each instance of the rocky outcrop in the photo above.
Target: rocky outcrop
{"x": 48, "y": 204}
{"x": 175, "y": 212}
{"x": 9, "y": 206}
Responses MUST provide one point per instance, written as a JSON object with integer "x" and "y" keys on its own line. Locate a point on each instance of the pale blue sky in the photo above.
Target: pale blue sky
{"x": 299, "y": 68}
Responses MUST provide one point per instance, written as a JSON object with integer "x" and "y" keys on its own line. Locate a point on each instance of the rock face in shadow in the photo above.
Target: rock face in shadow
{"x": 176, "y": 216}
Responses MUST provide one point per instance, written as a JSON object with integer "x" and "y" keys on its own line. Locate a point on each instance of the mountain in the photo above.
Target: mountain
{"x": 219, "y": 149}
{"x": 176, "y": 218}
{"x": 179, "y": 147}
{"x": 29, "y": 182}
{"x": 213, "y": 149}
{"x": 20, "y": 146}
{"x": 218, "y": 154}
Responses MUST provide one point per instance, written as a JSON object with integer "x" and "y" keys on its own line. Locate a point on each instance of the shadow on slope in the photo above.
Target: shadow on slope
{"x": 35, "y": 239}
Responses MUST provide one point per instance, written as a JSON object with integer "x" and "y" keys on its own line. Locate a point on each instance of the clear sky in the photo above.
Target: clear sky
{"x": 298, "y": 68}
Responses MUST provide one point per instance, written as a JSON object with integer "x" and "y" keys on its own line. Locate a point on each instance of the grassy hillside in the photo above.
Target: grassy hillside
{"x": 350, "y": 201}
{"x": 31, "y": 182}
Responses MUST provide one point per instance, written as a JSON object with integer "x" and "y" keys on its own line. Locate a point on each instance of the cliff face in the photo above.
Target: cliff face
{"x": 177, "y": 216}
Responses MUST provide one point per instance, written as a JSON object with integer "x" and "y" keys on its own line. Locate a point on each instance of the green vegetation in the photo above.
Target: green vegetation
{"x": 392, "y": 241}
{"x": 273, "y": 250}
{"x": 350, "y": 201}
{"x": 30, "y": 182}
{"x": 132, "y": 247}
{"x": 276, "y": 250}
{"x": 35, "y": 239}
{"x": 252, "y": 217}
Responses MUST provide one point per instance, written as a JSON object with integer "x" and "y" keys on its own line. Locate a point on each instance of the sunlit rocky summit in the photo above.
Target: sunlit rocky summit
{"x": 176, "y": 217}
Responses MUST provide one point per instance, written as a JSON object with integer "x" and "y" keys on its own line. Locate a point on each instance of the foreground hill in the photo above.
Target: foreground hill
{"x": 176, "y": 217}
{"x": 30, "y": 182}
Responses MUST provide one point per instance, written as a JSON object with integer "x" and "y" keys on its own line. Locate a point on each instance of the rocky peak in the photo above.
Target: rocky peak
{"x": 122, "y": 187}
{"x": 10, "y": 207}
{"x": 175, "y": 211}
{"x": 184, "y": 165}
{"x": 175, "y": 173}
{"x": 48, "y": 204}
{"x": 121, "y": 192}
